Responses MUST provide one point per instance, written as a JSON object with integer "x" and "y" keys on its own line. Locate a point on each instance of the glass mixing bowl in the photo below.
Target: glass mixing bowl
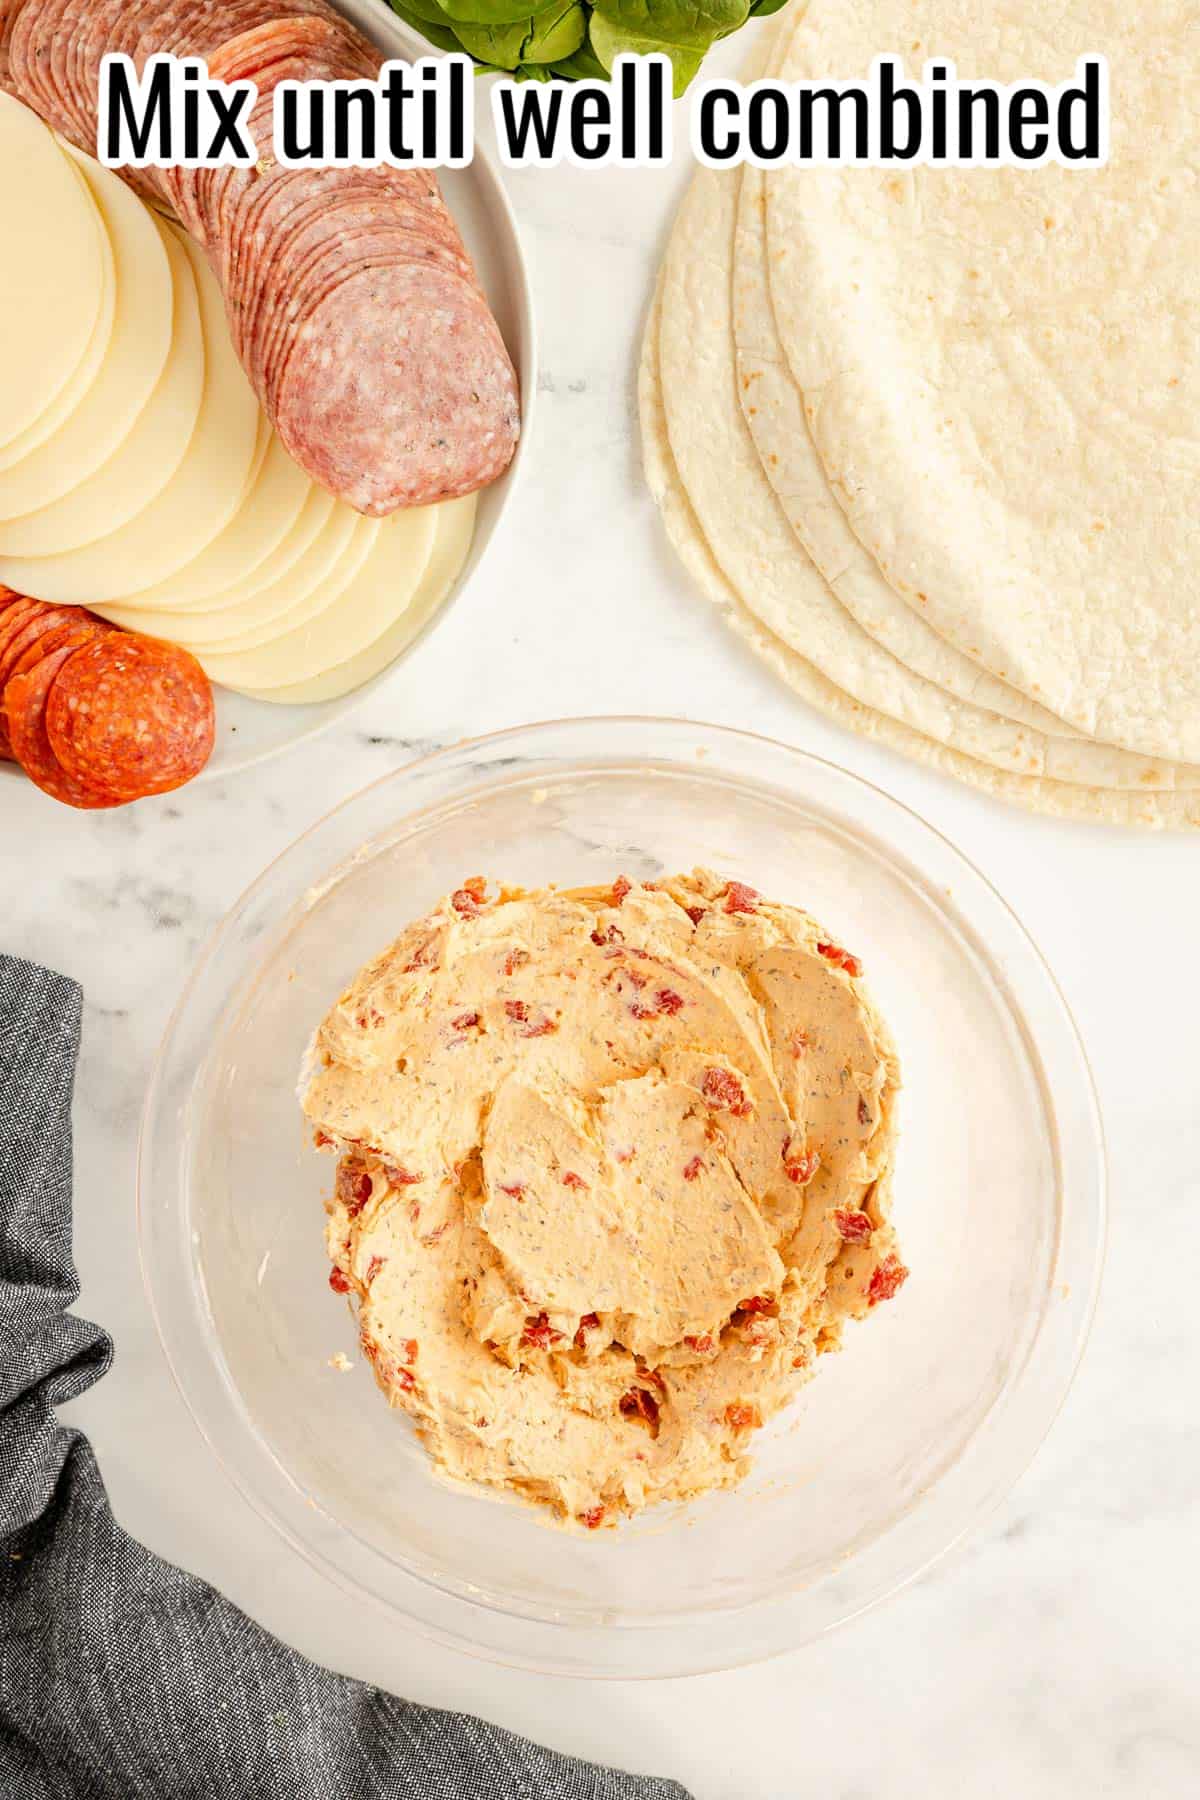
{"x": 937, "y": 1401}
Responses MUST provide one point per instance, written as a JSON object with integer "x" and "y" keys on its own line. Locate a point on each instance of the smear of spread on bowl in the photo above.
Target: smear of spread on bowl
{"x": 614, "y": 1168}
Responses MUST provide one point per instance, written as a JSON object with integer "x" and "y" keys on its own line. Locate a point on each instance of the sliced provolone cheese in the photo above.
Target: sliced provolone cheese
{"x": 335, "y": 541}
{"x": 227, "y": 448}
{"x": 73, "y": 391}
{"x": 164, "y": 620}
{"x": 254, "y": 626}
{"x": 129, "y": 374}
{"x": 147, "y": 459}
{"x": 267, "y": 515}
{"x": 51, "y": 269}
{"x": 402, "y": 581}
{"x": 451, "y": 545}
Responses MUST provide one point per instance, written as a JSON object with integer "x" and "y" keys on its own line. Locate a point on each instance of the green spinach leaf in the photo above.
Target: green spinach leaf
{"x": 682, "y": 22}
{"x": 585, "y": 65}
{"x": 491, "y": 12}
{"x": 555, "y": 37}
{"x": 438, "y": 30}
{"x": 576, "y": 40}
{"x": 610, "y": 41}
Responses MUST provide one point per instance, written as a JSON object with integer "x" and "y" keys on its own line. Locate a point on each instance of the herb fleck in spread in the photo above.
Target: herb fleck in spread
{"x": 599, "y": 1214}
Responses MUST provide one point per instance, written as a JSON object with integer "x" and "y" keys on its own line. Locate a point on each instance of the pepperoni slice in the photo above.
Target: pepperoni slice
{"x": 40, "y": 634}
{"x": 8, "y": 602}
{"x": 34, "y": 629}
{"x": 25, "y": 700}
{"x": 31, "y": 629}
{"x": 15, "y": 618}
{"x": 77, "y": 629}
{"x": 131, "y": 715}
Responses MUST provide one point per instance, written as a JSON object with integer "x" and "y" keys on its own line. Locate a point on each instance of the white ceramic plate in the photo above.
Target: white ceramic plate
{"x": 248, "y": 731}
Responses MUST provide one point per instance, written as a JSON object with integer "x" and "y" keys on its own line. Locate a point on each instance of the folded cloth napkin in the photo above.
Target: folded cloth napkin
{"x": 120, "y": 1676}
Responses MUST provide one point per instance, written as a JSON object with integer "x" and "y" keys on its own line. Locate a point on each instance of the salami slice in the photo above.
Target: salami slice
{"x": 255, "y": 51}
{"x": 398, "y": 391}
{"x": 275, "y": 210}
{"x": 59, "y": 17}
{"x": 334, "y": 250}
{"x": 203, "y": 30}
{"x": 95, "y": 29}
{"x": 250, "y": 227}
{"x": 29, "y": 46}
{"x": 25, "y": 700}
{"x": 333, "y": 218}
{"x": 130, "y": 716}
{"x": 222, "y": 195}
{"x": 180, "y": 189}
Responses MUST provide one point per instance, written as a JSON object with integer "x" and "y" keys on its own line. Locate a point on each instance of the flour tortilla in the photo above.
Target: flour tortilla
{"x": 773, "y": 408}
{"x": 1002, "y": 367}
{"x": 742, "y": 520}
{"x": 1059, "y": 799}
{"x": 738, "y": 511}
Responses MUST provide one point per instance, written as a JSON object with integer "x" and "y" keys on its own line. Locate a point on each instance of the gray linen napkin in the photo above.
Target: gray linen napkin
{"x": 121, "y": 1676}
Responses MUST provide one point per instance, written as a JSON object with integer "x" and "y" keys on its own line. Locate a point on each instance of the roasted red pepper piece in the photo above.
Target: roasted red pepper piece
{"x": 887, "y": 1280}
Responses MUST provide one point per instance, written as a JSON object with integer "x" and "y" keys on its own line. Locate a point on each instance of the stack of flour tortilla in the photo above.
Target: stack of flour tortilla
{"x": 930, "y": 437}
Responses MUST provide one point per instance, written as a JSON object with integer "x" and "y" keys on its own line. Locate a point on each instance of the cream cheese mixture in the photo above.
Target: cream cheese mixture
{"x": 614, "y": 1167}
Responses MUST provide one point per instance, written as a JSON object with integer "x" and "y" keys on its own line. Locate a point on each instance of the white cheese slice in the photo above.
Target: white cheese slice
{"x": 299, "y": 669}
{"x": 254, "y": 626}
{"x": 73, "y": 391}
{"x": 224, "y": 455}
{"x": 141, "y": 466}
{"x": 338, "y": 541}
{"x": 117, "y": 398}
{"x": 169, "y": 614}
{"x": 52, "y": 278}
{"x": 263, "y": 522}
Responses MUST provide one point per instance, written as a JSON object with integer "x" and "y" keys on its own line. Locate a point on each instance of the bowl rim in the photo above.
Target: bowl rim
{"x": 540, "y": 1632}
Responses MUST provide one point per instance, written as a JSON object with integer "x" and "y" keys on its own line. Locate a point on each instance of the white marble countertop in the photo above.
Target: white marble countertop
{"x": 1056, "y": 1652}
